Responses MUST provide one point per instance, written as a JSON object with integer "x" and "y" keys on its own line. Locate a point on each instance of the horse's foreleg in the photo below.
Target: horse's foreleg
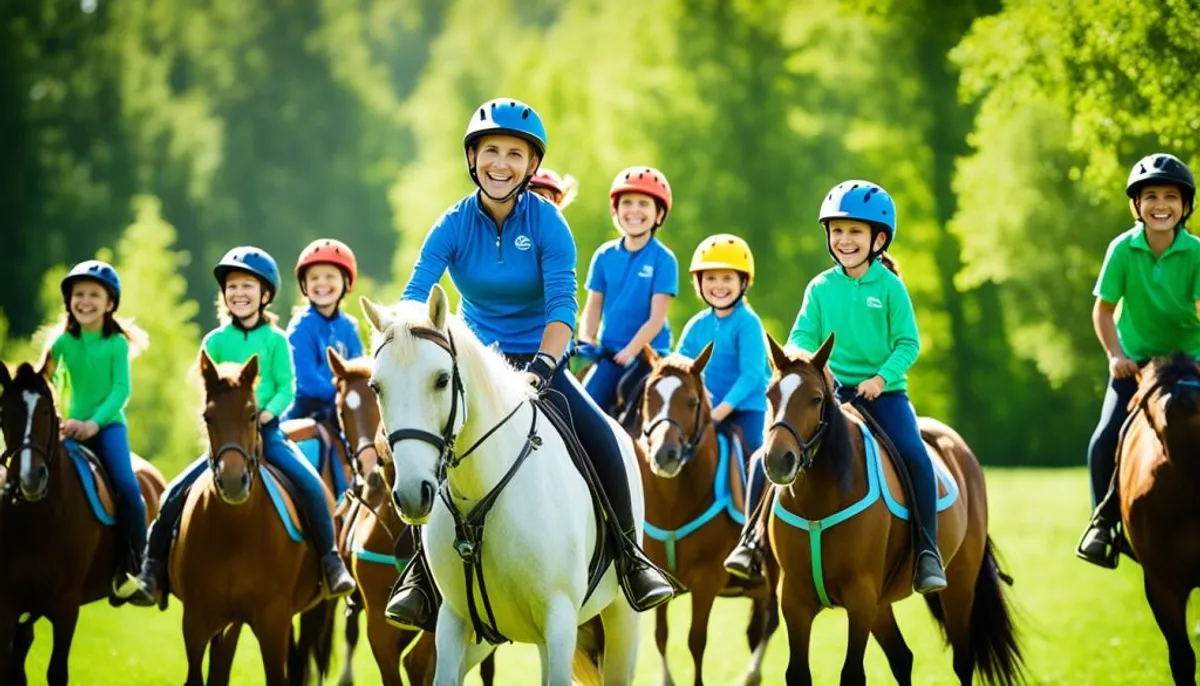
{"x": 421, "y": 661}
{"x": 764, "y": 620}
{"x": 195, "y": 640}
{"x": 662, "y": 631}
{"x": 64, "y": 633}
{"x": 220, "y": 655}
{"x": 798, "y": 615}
{"x": 862, "y": 609}
{"x": 702, "y": 602}
{"x": 12, "y": 659}
{"x": 899, "y": 657}
{"x": 274, "y": 633}
{"x": 620, "y": 641}
{"x": 1169, "y": 605}
{"x": 557, "y": 651}
{"x": 451, "y": 638}
{"x": 353, "y": 612}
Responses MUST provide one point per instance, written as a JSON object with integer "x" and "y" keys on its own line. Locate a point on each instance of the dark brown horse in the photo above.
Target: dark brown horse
{"x": 54, "y": 554}
{"x": 233, "y": 562}
{"x": 372, "y": 532}
{"x": 840, "y": 545}
{"x": 1159, "y": 478}
{"x": 689, "y": 531}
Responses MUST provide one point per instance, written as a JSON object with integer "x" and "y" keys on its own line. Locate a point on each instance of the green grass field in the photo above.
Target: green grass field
{"x": 1080, "y": 624}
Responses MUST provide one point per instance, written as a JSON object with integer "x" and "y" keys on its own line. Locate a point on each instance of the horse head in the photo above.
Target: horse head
{"x": 31, "y": 426}
{"x": 802, "y": 410}
{"x": 1169, "y": 394}
{"x": 675, "y": 410}
{"x": 422, "y": 395}
{"x": 231, "y": 420}
{"x": 358, "y": 412}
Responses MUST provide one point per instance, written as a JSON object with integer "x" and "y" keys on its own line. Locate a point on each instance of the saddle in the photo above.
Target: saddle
{"x": 97, "y": 487}
{"x": 316, "y": 440}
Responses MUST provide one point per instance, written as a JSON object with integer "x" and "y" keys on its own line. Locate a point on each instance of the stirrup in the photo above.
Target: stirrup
{"x": 1096, "y": 534}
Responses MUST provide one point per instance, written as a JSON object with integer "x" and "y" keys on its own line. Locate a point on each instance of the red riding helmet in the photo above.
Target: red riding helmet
{"x": 646, "y": 180}
{"x": 548, "y": 179}
{"x": 328, "y": 251}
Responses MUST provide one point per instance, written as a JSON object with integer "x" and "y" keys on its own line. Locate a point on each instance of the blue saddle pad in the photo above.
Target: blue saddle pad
{"x": 276, "y": 491}
{"x": 87, "y": 479}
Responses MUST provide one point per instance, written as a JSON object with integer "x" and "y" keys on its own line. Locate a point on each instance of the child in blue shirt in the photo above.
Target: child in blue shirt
{"x": 630, "y": 283}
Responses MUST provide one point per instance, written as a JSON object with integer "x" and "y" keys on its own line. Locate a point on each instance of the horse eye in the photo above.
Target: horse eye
{"x": 443, "y": 380}
{"x": 817, "y": 400}
{"x": 693, "y": 404}
{"x": 375, "y": 387}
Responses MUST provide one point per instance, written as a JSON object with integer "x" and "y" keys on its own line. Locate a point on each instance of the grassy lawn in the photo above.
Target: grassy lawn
{"x": 1080, "y": 624}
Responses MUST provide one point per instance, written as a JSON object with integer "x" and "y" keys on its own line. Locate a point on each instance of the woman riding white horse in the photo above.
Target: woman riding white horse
{"x": 512, "y": 257}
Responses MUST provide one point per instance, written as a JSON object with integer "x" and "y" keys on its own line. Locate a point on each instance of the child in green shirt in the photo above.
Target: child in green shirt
{"x": 249, "y": 280}
{"x": 1153, "y": 272}
{"x": 91, "y": 360}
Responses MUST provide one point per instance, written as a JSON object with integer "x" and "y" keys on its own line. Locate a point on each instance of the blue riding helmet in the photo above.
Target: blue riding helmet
{"x": 507, "y": 116}
{"x": 247, "y": 258}
{"x": 96, "y": 271}
{"x": 863, "y": 201}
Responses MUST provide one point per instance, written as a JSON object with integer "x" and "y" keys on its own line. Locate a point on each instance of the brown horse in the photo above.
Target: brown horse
{"x": 856, "y": 553}
{"x": 233, "y": 562}
{"x": 56, "y": 556}
{"x": 1159, "y": 478}
{"x": 373, "y": 530}
{"x": 689, "y": 530}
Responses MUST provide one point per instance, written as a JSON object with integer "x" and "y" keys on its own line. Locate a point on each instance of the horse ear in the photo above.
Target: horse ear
{"x": 249, "y": 373}
{"x": 46, "y": 370}
{"x": 652, "y": 356}
{"x": 779, "y": 358}
{"x": 822, "y": 355}
{"x": 336, "y": 362}
{"x": 438, "y": 307}
{"x": 208, "y": 369}
{"x": 374, "y": 314}
{"x": 5, "y": 375}
{"x": 701, "y": 360}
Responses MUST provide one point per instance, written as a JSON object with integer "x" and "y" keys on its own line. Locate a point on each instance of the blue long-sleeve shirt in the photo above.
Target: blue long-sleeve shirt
{"x": 514, "y": 279}
{"x": 738, "y": 371}
{"x": 309, "y": 334}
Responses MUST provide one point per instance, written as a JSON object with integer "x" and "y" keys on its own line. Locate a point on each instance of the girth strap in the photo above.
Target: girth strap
{"x": 468, "y": 542}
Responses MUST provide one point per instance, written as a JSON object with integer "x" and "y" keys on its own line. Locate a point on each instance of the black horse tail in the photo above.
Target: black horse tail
{"x": 995, "y": 649}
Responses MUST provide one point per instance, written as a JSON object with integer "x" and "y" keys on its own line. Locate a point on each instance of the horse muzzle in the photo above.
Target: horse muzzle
{"x": 781, "y": 466}
{"x": 35, "y": 483}
{"x": 234, "y": 489}
{"x": 414, "y": 502}
{"x": 666, "y": 460}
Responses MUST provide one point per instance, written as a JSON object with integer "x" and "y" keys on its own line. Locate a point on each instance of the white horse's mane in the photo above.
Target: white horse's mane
{"x": 486, "y": 374}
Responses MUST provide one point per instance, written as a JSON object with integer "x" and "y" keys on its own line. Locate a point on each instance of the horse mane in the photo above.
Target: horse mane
{"x": 837, "y": 447}
{"x": 502, "y": 387}
{"x": 1164, "y": 372}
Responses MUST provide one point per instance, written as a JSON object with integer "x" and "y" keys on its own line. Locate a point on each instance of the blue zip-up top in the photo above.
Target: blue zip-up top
{"x": 514, "y": 279}
{"x": 629, "y": 281}
{"x": 738, "y": 371}
{"x": 309, "y": 334}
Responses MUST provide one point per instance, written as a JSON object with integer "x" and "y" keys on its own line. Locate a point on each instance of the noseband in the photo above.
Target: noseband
{"x": 809, "y": 448}
{"x": 250, "y": 456}
{"x": 444, "y": 443}
{"x": 689, "y": 445}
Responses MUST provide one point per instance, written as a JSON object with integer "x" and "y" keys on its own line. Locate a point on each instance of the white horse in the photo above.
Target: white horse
{"x": 436, "y": 379}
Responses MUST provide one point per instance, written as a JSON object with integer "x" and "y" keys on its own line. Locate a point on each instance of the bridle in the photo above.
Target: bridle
{"x": 809, "y": 448}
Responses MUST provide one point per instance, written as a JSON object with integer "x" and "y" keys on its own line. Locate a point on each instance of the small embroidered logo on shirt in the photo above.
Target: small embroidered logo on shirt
{"x": 874, "y": 303}
{"x": 647, "y": 271}
{"x": 523, "y": 243}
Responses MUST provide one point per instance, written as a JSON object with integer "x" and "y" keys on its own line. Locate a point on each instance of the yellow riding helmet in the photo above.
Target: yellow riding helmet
{"x": 724, "y": 251}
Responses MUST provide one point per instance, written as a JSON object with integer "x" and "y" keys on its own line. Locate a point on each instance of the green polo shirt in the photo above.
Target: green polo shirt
{"x": 276, "y": 380}
{"x": 1157, "y": 294}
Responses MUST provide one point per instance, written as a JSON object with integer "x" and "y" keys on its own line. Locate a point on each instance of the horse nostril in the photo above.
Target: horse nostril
{"x": 396, "y": 500}
{"x": 672, "y": 455}
{"x": 427, "y": 494}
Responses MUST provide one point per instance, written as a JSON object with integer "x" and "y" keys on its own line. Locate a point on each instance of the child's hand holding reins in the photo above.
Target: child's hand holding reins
{"x": 265, "y": 417}
{"x": 1121, "y": 367}
{"x": 872, "y": 387}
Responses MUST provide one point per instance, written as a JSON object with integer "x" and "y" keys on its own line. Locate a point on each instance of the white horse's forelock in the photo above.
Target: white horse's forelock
{"x": 485, "y": 372}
